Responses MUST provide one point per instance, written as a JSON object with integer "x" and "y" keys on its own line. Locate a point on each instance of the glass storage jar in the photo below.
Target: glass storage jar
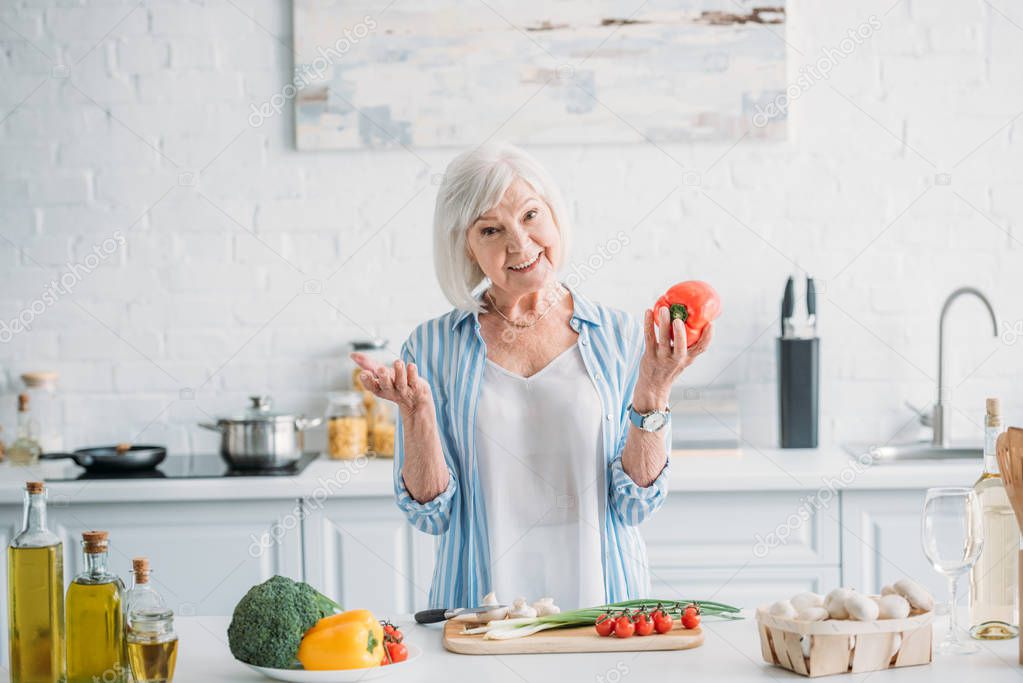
{"x": 41, "y": 388}
{"x": 152, "y": 645}
{"x": 347, "y": 427}
{"x": 381, "y": 430}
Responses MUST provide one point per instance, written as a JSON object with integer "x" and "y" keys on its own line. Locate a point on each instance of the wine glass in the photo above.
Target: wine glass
{"x": 953, "y": 534}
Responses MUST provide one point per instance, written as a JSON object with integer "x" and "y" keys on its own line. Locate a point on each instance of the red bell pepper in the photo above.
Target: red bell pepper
{"x": 695, "y": 303}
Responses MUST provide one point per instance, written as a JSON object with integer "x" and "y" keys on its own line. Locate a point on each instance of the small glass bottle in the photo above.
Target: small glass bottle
{"x": 347, "y": 428}
{"x": 95, "y": 618}
{"x": 35, "y": 596}
{"x": 141, "y": 595}
{"x": 152, "y": 645}
{"x": 41, "y": 388}
{"x": 25, "y": 449}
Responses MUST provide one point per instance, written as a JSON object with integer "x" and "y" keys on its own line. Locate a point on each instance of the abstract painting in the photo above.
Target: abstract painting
{"x": 444, "y": 73}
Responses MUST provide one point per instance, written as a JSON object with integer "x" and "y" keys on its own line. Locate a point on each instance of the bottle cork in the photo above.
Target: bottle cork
{"x": 140, "y": 567}
{"x": 22, "y": 403}
{"x": 95, "y": 541}
{"x": 994, "y": 412}
{"x": 34, "y": 487}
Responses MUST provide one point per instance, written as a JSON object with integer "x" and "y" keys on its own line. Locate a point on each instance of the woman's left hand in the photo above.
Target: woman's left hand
{"x": 664, "y": 359}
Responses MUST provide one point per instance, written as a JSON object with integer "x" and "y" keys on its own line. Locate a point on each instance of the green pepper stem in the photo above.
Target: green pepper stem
{"x": 679, "y": 312}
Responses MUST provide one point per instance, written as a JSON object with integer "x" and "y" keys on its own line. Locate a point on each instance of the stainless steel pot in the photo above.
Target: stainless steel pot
{"x": 261, "y": 439}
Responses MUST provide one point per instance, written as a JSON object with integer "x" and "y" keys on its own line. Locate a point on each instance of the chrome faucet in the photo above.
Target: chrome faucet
{"x": 938, "y": 423}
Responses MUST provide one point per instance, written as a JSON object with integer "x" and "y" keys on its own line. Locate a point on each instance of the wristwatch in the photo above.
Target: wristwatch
{"x": 653, "y": 421}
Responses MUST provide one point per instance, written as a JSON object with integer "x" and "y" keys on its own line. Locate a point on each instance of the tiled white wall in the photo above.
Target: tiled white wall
{"x": 247, "y": 266}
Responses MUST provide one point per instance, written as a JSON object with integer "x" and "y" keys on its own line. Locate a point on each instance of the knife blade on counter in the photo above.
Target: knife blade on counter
{"x": 439, "y": 614}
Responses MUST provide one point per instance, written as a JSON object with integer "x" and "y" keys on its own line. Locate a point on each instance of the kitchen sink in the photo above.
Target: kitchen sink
{"x": 922, "y": 450}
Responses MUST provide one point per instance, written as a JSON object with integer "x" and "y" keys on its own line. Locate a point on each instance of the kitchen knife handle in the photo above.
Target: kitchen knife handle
{"x": 431, "y": 616}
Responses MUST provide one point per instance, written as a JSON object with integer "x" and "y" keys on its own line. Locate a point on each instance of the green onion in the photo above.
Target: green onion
{"x": 503, "y": 629}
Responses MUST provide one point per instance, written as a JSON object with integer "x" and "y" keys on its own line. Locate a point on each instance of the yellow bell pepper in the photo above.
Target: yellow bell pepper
{"x": 349, "y": 640}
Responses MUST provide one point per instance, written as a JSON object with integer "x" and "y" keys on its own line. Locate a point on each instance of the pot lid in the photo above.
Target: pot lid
{"x": 369, "y": 344}
{"x": 259, "y": 411}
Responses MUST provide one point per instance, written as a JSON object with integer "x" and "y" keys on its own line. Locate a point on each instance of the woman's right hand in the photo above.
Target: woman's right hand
{"x": 400, "y": 384}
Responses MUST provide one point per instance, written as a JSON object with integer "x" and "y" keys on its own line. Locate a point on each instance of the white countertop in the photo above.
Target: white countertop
{"x": 747, "y": 470}
{"x": 731, "y": 652}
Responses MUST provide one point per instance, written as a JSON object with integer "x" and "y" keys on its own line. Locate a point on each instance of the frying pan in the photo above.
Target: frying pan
{"x": 114, "y": 459}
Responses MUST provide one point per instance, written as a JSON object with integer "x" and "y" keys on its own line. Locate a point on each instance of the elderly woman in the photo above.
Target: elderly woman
{"x": 534, "y": 424}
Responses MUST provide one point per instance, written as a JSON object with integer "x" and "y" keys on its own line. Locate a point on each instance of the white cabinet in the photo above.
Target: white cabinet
{"x": 204, "y": 554}
{"x": 745, "y": 548}
{"x": 881, "y": 541}
{"x": 362, "y": 552}
{"x": 729, "y": 528}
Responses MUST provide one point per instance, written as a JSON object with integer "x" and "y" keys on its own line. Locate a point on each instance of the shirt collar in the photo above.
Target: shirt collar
{"x": 584, "y": 309}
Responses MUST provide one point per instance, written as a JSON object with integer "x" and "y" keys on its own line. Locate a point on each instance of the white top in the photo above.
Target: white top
{"x": 542, "y": 477}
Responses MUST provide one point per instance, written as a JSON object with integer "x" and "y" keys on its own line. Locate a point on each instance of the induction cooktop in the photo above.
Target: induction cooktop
{"x": 206, "y": 466}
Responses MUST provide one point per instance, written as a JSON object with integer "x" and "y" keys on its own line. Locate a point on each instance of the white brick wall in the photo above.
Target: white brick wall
{"x": 227, "y": 226}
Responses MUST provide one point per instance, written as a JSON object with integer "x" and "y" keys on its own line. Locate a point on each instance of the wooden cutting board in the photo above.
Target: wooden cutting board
{"x": 578, "y": 639}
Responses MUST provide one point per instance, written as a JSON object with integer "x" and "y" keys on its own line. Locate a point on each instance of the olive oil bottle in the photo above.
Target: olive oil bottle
{"x": 35, "y": 596}
{"x": 152, "y": 645}
{"x": 95, "y": 618}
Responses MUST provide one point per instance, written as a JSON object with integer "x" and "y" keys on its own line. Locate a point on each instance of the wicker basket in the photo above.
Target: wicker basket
{"x": 822, "y": 648}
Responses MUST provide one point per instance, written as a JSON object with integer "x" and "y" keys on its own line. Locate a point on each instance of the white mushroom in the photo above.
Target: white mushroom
{"x": 545, "y": 607}
{"x": 804, "y": 600}
{"x": 861, "y": 608}
{"x": 812, "y": 614}
{"x": 490, "y": 599}
{"x": 521, "y": 610}
{"x": 896, "y": 644}
{"x": 893, "y": 607}
{"x": 804, "y": 642}
{"x": 888, "y": 590}
{"x": 916, "y": 594}
{"x": 783, "y": 609}
{"x": 835, "y": 603}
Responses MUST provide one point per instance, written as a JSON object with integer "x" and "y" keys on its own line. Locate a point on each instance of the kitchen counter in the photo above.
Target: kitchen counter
{"x": 731, "y": 653}
{"x": 747, "y": 470}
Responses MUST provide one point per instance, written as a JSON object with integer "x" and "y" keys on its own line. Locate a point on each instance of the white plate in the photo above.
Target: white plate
{"x": 338, "y": 676}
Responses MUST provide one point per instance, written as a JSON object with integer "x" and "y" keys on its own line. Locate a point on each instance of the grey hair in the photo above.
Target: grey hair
{"x": 474, "y": 183}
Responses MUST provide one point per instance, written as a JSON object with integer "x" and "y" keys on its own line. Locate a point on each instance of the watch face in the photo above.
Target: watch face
{"x": 653, "y": 422}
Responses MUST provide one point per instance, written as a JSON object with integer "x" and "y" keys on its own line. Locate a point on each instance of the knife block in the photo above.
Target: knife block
{"x": 798, "y": 392}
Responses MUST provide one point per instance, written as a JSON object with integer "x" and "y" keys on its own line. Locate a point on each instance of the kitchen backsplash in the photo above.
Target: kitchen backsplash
{"x": 173, "y": 254}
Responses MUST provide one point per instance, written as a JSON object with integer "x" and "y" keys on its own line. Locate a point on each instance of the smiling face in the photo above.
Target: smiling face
{"x": 516, "y": 243}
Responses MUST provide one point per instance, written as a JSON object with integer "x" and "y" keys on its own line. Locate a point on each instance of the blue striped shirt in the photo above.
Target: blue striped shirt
{"x": 450, "y": 354}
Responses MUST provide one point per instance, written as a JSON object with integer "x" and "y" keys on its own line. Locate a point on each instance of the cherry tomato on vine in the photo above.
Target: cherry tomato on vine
{"x": 690, "y": 620}
{"x": 644, "y": 625}
{"x": 663, "y": 623}
{"x": 604, "y": 625}
{"x": 397, "y": 652}
{"x": 624, "y": 626}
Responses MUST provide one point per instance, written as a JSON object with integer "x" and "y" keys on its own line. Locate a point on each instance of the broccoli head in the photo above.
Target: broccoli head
{"x": 269, "y": 621}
